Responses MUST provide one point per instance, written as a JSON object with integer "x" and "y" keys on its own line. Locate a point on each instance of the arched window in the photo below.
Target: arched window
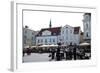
{"x": 45, "y": 40}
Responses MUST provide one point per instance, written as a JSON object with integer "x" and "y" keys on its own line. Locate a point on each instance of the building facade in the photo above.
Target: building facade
{"x": 70, "y": 34}
{"x": 29, "y": 38}
{"x": 87, "y": 27}
{"x": 48, "y": 36}
{"x": 64, "y": 35}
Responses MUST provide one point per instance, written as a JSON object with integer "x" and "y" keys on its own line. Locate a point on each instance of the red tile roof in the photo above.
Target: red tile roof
{"x": 54, "y": 31}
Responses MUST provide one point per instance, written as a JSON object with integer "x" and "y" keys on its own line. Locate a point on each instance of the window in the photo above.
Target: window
{"x": 70, "y": 37}
{"x": 67, "y": 37}
{"x": 25, "y": 37}
{"x": 53, "y": 40}
{"x": 38, "y": 41}
{"x": 32, "y": 38}
{"x": 54, "y": 33}
{"x": 41, "y": 40}
{"x": 70, "y": 31}
{"x": 66, "y": 31}
{"x": 32, "y": 33}
{"x": 66, "y": 27}
{"x": 50, "y": 39}
{"x": 45, "y": 40}
{"x": 24, "y": 41}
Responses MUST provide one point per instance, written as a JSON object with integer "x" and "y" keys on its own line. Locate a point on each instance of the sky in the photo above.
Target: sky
{"x": 37, "y": 20}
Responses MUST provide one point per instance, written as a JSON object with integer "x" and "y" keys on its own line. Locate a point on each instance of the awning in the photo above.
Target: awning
{"x": 84, "y": 44}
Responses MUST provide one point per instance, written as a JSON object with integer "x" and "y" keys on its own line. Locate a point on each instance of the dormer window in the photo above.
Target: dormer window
{"x": 66, "y": 27}
{"x": 46, "y": 32}
{"x": 54, "y": 33}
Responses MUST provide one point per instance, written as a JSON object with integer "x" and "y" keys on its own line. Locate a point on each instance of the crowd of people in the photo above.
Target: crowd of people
{"x": 68, "y": 53}
{"x": 71, "y": 52}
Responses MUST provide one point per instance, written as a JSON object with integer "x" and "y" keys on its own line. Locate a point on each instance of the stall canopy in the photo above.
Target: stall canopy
{"x": 48, "y": 45}
{"x": 84, "y": 44}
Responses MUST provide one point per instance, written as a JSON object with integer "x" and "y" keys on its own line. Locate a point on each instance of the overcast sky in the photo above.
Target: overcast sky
{"x": 36, "y": 20}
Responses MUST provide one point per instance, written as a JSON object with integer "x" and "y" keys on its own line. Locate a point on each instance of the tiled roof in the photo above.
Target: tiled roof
{"x": 76, "y": 30}
{"x": 54, "y": 31}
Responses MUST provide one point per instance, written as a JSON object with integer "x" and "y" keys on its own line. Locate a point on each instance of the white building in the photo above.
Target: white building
{"x": 65, "y": 35}
{"x": 87, "y": 26}
{"x": 48, "y": 36}
{"x": 70, "y": 34}
{"x": 29, "y": 36}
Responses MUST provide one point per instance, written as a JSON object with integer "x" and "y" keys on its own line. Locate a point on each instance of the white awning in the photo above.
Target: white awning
{"x": 48, "y": 45}
{"x": 84, "y": 44}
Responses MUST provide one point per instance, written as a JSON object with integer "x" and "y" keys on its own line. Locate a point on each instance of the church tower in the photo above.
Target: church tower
{"x": 87, "y": 26}
{"x": 50, "y": 24}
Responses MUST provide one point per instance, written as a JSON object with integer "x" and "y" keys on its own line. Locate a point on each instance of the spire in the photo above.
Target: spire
{"x": 50, "y": 25}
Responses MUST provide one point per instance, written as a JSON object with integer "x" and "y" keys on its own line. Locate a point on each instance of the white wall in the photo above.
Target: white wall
{"x": 5, "y": 36}
{"x": 30, "y": 37}
{"x": 48, "y": 38}
{"x": 65, "y": 34}
{"x": 68, "y": 36}
{"x": 46, "y": 32}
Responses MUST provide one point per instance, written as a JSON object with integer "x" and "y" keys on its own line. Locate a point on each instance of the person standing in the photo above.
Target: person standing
{"x": 74, "y": 51}
{"x": 53, "y": 53}
{"x": 67, "y": 53}
{"x": 58, "y": 58}
{"x": 70, "y": 51}
{"x": 29, "y": 50}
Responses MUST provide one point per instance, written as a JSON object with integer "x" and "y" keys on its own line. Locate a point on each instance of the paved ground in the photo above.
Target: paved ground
{"x": 36, "y": 57}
